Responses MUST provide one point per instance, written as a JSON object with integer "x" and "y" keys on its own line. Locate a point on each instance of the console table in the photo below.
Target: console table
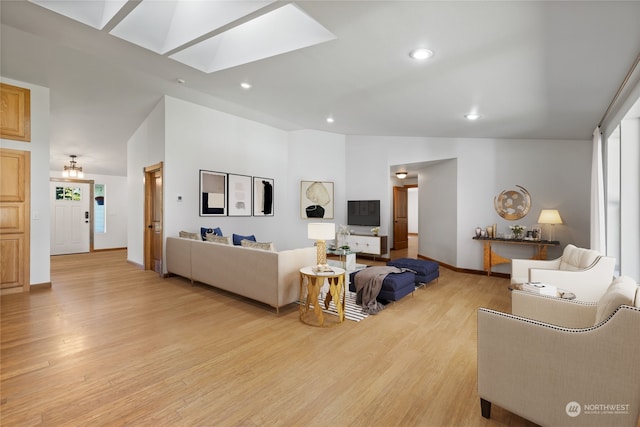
{"x": 491, "y": 258}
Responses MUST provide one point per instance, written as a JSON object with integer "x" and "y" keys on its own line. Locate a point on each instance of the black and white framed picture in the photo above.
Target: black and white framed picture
{"x": 239, "y": 195}
{"x": 213, "y": 193}
{"x": 316, "y": 199}
{"x": 262, "y": 196}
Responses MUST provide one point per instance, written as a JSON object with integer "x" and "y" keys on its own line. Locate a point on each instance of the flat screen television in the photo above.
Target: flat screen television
{"x": 363, "y": 212}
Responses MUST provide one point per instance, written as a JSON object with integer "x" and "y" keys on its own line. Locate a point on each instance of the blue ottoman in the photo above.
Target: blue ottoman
{"x": 394, "y": 286}
{"x": 426, "y": 271}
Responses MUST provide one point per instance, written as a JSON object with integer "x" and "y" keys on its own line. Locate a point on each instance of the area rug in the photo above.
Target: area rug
{"x": 352, "y": 311}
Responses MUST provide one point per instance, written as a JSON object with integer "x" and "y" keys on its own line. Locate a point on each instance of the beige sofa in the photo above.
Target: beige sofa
{"x": 266, "y": 276}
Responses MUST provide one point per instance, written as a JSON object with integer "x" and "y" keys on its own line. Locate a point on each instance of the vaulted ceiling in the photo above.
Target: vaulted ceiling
{"x": 532, "y": 70}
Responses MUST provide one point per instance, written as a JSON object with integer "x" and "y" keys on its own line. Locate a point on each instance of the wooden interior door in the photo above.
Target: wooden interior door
{"x": 153, "y": 218}
{"x": 400, "y": 218}
{"x": 15, "y": 208}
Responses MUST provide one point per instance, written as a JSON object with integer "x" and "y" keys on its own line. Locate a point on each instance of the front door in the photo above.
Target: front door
{"x": 70, "y": 217}
{"x": 400, "y": 218}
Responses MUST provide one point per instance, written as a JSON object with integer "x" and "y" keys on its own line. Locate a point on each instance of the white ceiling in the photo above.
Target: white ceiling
{"x": 539, "y": 70}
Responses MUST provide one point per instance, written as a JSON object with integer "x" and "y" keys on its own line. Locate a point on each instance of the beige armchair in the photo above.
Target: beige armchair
{"x": 586, "y": 374}
{"x": 583, "y": 272}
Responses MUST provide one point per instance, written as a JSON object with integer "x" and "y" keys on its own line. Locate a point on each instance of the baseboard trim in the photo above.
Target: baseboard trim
{"x": 465, "y": 270}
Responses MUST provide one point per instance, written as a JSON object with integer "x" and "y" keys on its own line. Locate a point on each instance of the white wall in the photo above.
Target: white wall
{"x": 189, "y": 137}
{"x": 413, "y": 210}
{"x": 39, "y": 148}
{"x": 115, "y": 211}
{"x": 556, "y": 174}
{"x": 145, "y": 148}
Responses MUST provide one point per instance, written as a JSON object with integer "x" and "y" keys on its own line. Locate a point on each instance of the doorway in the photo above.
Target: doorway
{"x": 153, "y": 218}
{"x": 71, "y": 216}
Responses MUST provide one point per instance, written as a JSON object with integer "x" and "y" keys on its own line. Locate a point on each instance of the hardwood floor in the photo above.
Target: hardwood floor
{"x": 110, "y": 344}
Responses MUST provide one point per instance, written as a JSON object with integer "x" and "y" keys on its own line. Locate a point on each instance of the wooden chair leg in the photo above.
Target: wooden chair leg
{"x": 485, "y": 408}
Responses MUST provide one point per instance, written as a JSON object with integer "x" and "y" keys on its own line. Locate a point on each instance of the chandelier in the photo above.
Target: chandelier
{"x": 73, "y": 171}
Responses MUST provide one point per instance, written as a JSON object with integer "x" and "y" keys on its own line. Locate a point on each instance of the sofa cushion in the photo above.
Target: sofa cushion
{"x": 204, "y": 230}
{"x": 189, "y": 235}
{"x": 225, "y": 240}
{"x": 257, "y": 245}
{"x": 623, "y": 290}
{"x": 237, "y": 239}
{"x": 574, "y": 258}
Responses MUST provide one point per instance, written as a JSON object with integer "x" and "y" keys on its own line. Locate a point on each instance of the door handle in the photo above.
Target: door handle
{"x": 150, "y": 226}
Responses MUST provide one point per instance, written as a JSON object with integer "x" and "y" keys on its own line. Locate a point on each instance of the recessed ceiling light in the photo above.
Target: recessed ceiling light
{"x": 245, "y": 85}
{"x": 421, "y": 53}
{"x": 472, "y": 116}
{"x": 330, "y": 120}
{"x": 181, "y": 81}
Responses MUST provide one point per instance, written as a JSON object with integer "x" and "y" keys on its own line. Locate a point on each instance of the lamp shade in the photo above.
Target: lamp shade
{"x": 549, "y": 216}
{"x": 321, "y": 230}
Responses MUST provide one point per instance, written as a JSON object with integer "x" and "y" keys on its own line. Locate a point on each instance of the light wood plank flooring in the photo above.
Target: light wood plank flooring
{"x": 110, "y": 344}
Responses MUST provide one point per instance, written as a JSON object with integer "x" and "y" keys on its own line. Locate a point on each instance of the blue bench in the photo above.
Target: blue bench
{"x": 426, "y": 271}
{"x": 394, "y": 286}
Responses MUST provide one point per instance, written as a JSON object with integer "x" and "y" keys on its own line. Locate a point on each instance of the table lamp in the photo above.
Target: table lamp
{"x": 321, "y": 231}
{"x": 551, "y": 217}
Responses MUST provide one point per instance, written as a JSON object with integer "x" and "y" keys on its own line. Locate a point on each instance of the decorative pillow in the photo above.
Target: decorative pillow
{"x": 204, "y": 230}
{"x": 621, "y": 291}
{"x": 188, "y": 235}
{"x": 257, "y": 245}
{"x": 238, "y": 238}
{"x": 225, "y": 240}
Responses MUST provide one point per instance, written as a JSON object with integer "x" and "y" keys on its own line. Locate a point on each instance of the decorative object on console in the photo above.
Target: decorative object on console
{"x": 551, "y": 217}
{"x": 321, "y": 231}
{"x": 316, "y": 199}
{"x": 239, "y": 195}
{"x": 262, "y": 196}
{"x": 375, "y": 230}
{"x": 213, "y": 193}
{"x": 518, "y": 230}
{"x": 478, "y": 231}
{"x": 343, "y": 237}
{"x": 513, "y": 204}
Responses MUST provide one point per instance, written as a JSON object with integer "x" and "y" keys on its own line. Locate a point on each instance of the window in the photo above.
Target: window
{"x": 99, "y": 204}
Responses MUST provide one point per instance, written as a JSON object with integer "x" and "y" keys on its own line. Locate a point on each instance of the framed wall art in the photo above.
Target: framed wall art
{"x": 239, "y": 190}
{"x": 316, "y": 199}
{"x": 262, "y": 196}
{"x": 213, "y": 193}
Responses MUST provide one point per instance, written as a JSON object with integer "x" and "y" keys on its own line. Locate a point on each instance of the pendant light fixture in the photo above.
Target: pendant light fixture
{"x": 73, "y": 170}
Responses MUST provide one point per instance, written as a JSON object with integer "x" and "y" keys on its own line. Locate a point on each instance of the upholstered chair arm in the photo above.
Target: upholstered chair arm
{"x": 588, "y": 284}
{"x": 535, "y": 370}
{"x": 556, "y": 311}
{"x": 520, "y": 268}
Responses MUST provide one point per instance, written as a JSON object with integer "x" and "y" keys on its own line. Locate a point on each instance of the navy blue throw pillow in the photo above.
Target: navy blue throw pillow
{"x": 238, "y": 238}
{"x": 204, "y": 230}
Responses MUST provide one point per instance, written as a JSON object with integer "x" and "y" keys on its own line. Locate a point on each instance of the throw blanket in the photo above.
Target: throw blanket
{"x": 368, "y": 283}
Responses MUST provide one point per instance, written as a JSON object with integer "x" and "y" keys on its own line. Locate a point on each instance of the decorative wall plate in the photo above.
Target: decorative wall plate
{"x": 513, "y": 204}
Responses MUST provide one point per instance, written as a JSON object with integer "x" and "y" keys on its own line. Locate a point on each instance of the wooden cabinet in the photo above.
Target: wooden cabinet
{"x": 374, "y": 245}
{"x": 15, "y": 113}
